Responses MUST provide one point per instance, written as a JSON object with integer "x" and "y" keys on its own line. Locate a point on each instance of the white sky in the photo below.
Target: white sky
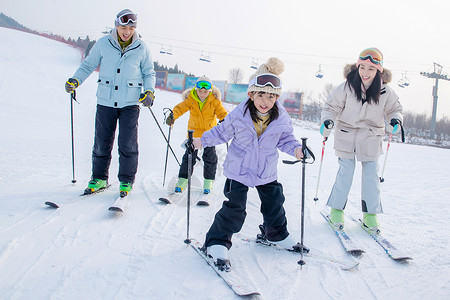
{"x": 411, "y": 34}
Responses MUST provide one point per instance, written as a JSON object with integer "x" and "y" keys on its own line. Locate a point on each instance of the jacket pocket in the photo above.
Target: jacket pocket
{"x": 104, "y": 88}
{"x": 343, "y": 139}
{"x": 373, "y": 145}
{"x": 134, "y": 89}
{"x": 270, "y": 166}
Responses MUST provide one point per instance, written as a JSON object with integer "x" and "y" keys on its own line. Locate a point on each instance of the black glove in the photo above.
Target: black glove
{"x": 326, "y": 127}
{"x": 170, "y": 119}
{"x": 147, "y": 98}
{"x": 71, "y": 85}
{"x": 394, "y": 126}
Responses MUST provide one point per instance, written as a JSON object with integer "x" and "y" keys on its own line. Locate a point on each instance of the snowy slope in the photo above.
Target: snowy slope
{"x": 82, "y": 251}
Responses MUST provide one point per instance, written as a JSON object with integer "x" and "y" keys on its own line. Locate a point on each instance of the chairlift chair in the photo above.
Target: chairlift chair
{"x": 319, "y": 73}
{"x": 205, "y": 57}
{"x": 254, "y": 64}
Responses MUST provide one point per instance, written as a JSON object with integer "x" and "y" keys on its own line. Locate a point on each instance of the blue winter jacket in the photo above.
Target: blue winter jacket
{"x": 122, "y": 74}
{"x": 251, "y": 160}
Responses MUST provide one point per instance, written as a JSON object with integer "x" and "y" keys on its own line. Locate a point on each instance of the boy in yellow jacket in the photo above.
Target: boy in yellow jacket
{"x": 205, "y": 107}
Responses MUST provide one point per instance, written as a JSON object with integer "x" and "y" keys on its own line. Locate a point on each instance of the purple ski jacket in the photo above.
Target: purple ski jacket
{"x": 252, "y": 161}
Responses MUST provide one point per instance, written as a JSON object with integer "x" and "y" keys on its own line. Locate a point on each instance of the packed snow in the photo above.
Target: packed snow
{"x": 83, "y": 251}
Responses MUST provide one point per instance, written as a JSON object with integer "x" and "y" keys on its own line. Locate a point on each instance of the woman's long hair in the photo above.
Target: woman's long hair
{"x": 372, "y": 94}
{"x": 250, "y": 106}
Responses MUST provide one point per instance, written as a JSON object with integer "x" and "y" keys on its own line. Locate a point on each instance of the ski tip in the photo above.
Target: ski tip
{"x": 405, "y": 259}
{"x": 357, "y": 252}
{"x": 52, "y": 204}
{"x": 165, "y": 200}
{"x": 115, "y": 209}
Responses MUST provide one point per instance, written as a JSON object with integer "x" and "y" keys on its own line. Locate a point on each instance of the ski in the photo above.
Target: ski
{"x": 119, "y": 204}
{"x": 349, "y": 245}
{"x": 232, "y": 278}
{"x": 204, "y": 199}
{"x": 84, "y": 195}
{"x": 172, "y": 197}
{"x": 313, "y": 254}
{"x": 176, "y": 198}
{"x": 387, "y": 246}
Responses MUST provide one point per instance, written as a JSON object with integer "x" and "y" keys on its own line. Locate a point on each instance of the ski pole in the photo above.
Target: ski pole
{"x": 190, "y": 150}
{"x": 160, "y": 129}
{"x": 168, "y": 143}
{"x": 320, "y": 168}
{"x": 301, "y": 262}
{"x": 307, "y": 153}
{"x": 385, "y": 157}
{"x": 72, "y": 98}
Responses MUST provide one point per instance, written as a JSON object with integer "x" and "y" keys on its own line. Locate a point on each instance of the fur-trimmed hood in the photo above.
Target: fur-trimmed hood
{"x": 386, "y": 75}
{"x": 215, "y": 91}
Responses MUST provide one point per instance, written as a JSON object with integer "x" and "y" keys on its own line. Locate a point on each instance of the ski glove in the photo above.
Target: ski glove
{"x": 71, "y": 85}
{"x": 326, "y": 128}
{"x": 170, "y": 119}
{"x": 147, "y": 98}
{"x": 394, "y": 126}
{"x": 197, "y": 143}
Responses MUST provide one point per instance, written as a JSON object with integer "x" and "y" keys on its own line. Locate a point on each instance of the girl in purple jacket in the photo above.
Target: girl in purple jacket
{"x": 257, "y": 128}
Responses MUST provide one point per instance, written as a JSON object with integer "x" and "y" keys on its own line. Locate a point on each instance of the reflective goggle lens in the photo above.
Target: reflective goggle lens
{"x": 266, "y": 79}
{"x": 372, "y": 54}
{"x": 127, "y": 18}
{"x": 203, "y": 85}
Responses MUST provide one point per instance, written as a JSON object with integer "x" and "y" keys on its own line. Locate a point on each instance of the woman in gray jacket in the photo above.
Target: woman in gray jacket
{"x": 358, "y": 108}
{"x": 126, "y": 68}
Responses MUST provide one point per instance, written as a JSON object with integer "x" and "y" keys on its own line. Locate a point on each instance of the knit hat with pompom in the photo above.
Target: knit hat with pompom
{"x": 273, "y": 66}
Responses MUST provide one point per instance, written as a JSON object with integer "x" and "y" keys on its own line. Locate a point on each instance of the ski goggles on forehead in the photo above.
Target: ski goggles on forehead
{"x": 127, "y": 18}
{"x": 374, "y": 56}
{"x": 203, "y": 85}
{"x": 263, "y": 80}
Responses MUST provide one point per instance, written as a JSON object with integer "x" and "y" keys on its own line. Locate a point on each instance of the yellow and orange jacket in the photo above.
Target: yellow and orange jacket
{"x": 203, "y": 115}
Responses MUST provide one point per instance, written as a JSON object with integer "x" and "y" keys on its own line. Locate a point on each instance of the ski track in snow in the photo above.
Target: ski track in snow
{"x": 83, "y": 251}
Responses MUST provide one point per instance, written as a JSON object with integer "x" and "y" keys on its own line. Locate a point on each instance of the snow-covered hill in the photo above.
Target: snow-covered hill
{"x": 82, "y": 251}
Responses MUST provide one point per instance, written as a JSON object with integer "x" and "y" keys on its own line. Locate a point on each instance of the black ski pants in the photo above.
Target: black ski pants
{"x": 209, "y": 163}
{"x": 105, "y": 128}
{"x": 230, "y": 218}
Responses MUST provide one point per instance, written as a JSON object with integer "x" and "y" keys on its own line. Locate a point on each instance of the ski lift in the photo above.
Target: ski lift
{"x": 404, "y": 82}
{"x": 319, "y": 73}
{"x": 107, "y": 30}
{"x": 166, "y": 50}
{"x": 254, "y": 64}
{"x": 205, "y": 56}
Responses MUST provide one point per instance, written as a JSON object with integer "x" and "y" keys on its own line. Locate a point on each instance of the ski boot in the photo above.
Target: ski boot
{"x": 125, "y": 188}
{"x": 370, "y": 221}
{"x": 219, "y": 254}
{"x": 181, "y": 184}
{"x": 337, "y": 218}
{"x": 95, "y": 185}
{"x": 288, "y": 243}
{"x": 207, "y": 186}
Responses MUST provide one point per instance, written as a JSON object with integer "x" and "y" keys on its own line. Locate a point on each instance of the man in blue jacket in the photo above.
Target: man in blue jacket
{"x": 126, "y": 67}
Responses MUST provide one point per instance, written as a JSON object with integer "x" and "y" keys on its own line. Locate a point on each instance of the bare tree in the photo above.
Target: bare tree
{"x": 236, "y": 75}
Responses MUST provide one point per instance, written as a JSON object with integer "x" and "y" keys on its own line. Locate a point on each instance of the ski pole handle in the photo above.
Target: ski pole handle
{"x": 304, "y": 148}
{"x": 190, "y": 143}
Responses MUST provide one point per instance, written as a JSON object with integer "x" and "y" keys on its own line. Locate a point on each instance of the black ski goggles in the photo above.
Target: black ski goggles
{"x": 266, "y": 79}
{"x": 125, "y": 19}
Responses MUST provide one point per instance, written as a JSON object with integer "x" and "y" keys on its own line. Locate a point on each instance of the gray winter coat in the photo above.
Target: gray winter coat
{"x": 123, "y": 74}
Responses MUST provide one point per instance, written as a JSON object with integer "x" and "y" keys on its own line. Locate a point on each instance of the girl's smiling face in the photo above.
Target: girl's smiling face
{"x": 367, "y": 73}
{"x": 263, "y": 101}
